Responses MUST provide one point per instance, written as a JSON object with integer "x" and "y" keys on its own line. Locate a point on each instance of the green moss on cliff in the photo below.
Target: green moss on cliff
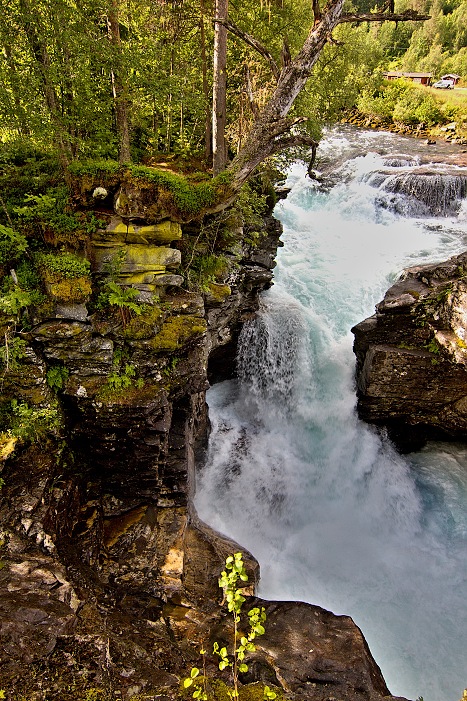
{"x": 145, "y": 325}
{"x": 176, "y": 194}
{"x": 177, "y": 331}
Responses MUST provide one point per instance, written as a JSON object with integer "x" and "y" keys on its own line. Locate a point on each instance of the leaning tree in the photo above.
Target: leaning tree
{"x": 273, "y": 130}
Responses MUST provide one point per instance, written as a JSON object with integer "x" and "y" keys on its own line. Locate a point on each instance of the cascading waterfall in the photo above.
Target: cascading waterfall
{"x": 333, "y": 514}
{"x": 421, "y": 193}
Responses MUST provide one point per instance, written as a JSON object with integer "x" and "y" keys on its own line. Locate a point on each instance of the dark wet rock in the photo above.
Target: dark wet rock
{"x": 109, "y": 579}
{"x": 412, "y": 356}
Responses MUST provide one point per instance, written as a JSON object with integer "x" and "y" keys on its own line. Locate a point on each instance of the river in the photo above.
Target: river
{"x": 333, "y": 514}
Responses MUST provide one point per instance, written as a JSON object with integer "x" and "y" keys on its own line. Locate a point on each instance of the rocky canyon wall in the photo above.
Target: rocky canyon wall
{"x": 412, "y": 357}
{"x": 108, "y": 579}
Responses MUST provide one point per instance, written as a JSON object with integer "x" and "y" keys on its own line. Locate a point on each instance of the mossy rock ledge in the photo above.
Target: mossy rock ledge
{"x": 109, "y": 582}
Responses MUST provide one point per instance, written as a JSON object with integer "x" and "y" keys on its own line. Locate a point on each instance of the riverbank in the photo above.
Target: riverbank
{"x": 453, "y": 136}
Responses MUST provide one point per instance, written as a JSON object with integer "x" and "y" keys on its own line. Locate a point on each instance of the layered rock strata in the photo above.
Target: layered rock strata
{"x": 109, "y": 580}
{"x": 412, "y": 356}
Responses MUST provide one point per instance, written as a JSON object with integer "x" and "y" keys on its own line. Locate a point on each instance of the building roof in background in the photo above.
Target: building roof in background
{"x": 402, "y": 74}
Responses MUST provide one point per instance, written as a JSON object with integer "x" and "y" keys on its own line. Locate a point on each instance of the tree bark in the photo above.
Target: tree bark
{"x": 119, "y": 85}
{"x": 219, "y": 99}
{"x": 204, "y": 64}
{"x": 272, "y": 129}
{"x": 41, "y": 56}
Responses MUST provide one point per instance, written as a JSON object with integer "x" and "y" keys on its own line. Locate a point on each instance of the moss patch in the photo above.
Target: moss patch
{"x": 145, "y": 325}
{"x": 76, "y": 290}
{"x": 176, "y": 194}
{"x": 176, "y": 331}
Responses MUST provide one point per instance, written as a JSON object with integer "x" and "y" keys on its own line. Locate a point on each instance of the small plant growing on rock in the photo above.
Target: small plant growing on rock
{"x": 242, "y": 643}
{"x": 119, "y": 381}
{"x": 57, "y": 375}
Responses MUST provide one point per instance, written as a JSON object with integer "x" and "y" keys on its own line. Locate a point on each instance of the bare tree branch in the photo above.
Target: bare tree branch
{"x": 316, "y": 11}
{"x": 251, "y": 41}
{"x": 411, "y": 15}
{"x": 253, "y": 104}
{"x": 296, "y": 140}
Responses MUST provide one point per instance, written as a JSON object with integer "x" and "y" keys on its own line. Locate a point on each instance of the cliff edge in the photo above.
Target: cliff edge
{"x": 109, "y": 580}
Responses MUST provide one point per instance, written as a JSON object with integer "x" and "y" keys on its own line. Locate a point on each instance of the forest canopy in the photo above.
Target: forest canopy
{"x": 75, "y": 75}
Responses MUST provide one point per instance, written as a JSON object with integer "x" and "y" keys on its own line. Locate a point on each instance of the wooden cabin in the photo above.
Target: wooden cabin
{"x": 420, "y": 78}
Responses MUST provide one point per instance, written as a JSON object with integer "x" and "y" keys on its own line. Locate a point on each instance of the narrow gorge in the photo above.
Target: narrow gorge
{"x": 109, "y": 579}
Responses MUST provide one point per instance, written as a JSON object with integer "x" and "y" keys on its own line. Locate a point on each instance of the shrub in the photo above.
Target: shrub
{"x": 57, "y": 376}
{"x": 58, "y": 266}
{"x": 416, "y": 106}
{"x": 241, "y": 644}
{"x": 11, "y": 352}
{"x": 205, "y": 269}
{"x": 12, "y": 245}
{"x": 32, "y": 424}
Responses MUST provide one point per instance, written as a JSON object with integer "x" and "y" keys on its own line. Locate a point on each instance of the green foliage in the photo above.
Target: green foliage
{"x": 12, "y": 245}
{"x": 97, "y": 167}
{"x": 251, "y": 206}
{"x": 188, "y": 198}
{"x": 123, "y": 380}
{"x": 242, "y": 644}
{"x": 124, "y": 298}
{"x": 433, "y": 347}
{"x": 57, "y": 375}
{"x": 205, "y": 269}
{"x": 14, "y": 300}
{"x": 59, "y": 266}
{"x": 115, "y": 295}
{"x": 416, "y": 106}
{"x": 437, "y": 46}
{"x": 11, "y": 352}
{"x": 401, "y": 101}
{"x": 32, "y": 424}
{"x": 342, "y": 71}
{"x": 50, "y": 214}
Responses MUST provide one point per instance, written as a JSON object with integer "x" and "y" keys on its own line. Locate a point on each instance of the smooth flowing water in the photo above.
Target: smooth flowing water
{"x": 333, "y": 514}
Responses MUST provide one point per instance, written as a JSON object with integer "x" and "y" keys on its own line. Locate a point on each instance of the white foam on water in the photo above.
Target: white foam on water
{"x": 334, "y": 515}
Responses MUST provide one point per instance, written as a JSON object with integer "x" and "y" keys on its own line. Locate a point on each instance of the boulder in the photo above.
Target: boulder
{"x": 412, "y": 356}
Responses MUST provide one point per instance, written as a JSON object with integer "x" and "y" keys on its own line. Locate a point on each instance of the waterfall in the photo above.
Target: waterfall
{"x": 421, "y": 193}
{"x": 333, "y": 514}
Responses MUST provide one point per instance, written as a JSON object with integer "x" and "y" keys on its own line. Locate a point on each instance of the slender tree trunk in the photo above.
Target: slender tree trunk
{"x": 41, "y": 55}
{"x": 15, "y": 86}
{"x": 119, "y": 85}
{"x": 204, "y": 67}
{"x": 219, "y": 92}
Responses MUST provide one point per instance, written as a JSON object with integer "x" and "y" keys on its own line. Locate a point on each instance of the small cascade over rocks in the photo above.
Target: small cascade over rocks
{"x": 400, "y": 161}
{"x": 421, "y": 192}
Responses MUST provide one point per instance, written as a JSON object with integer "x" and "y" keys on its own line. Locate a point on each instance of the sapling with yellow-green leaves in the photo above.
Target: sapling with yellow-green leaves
{"x": 242, "y": 643}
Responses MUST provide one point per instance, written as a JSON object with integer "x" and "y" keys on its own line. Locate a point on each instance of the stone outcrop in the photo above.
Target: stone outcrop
{"x": 109, "y": 580}
{"x": 412, "y": 356}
